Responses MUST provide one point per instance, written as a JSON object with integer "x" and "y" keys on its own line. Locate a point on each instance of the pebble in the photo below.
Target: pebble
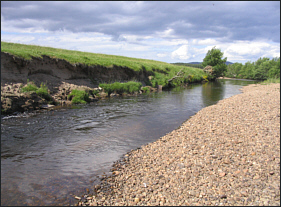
{"x": 137, "y": 200}
{"x": 222, "y": 174}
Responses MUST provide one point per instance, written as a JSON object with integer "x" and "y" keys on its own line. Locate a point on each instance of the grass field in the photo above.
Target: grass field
{"x": 163, "y": 71}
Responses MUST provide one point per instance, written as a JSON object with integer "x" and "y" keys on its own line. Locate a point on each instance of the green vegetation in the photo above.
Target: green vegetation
{"x": 262, "y": 69}
{"x": 29, "y": 87}
{"x": 78, "y": 96}
{"x": 120, "y": 88}
{"x": 214, "y": 59}
{"x": 42, "y": 91}
{"x": 161, "y": 71}
{"x": 271, "y": 80}
{"x": 146, "y": 89}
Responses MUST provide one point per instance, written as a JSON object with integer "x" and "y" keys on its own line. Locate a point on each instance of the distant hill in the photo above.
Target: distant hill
{"x": 197, "y": 63}
{"x": 228, "y": 63}
{"x": 194, "y": 64}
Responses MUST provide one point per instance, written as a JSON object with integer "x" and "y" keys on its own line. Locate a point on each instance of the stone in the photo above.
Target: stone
{"x": 237, "y": 172}
{"x": 137, "y": 200}
{"x": 223, "y": 196}
{"x": 222, "y": 174}
{"x": 271, "y": 172}
{"x": 116, "y": 172}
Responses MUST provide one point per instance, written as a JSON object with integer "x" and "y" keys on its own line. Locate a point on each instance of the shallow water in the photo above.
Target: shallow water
{"x": 48, "y": 156}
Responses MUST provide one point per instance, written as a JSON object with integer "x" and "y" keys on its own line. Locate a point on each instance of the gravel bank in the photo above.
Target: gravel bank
{"x": 226, "y": 154}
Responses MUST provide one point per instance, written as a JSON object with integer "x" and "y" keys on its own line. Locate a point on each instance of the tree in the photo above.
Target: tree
{"x": 274, "y": 71}
{"x": 233, "y": 70}
{"x": 247, "y": 71}
{"x": 214, "y": 59}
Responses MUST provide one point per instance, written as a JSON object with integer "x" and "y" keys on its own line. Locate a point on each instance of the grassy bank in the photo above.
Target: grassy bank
{"x": 271, "y": 80}
{"x": 120, "y": 88}
{"x": 162, "y": 71}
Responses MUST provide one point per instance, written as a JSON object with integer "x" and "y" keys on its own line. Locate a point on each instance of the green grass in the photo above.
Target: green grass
{"x": 120, "y": 88}
{"x": 162, "y": 71}
{"x": 29, "y": 87}
{"x": 42, "y": 91}
{"x": 79, "y": 96}
{"x": 271, "y": 80}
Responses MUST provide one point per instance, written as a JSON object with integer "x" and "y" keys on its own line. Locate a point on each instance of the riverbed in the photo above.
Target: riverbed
{"x": 47, "y": 157}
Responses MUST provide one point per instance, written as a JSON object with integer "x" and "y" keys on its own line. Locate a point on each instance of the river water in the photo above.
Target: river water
{"x": 47, "y": 157}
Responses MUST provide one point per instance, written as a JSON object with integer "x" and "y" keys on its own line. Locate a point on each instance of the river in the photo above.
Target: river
{"x": 49, "y": 156}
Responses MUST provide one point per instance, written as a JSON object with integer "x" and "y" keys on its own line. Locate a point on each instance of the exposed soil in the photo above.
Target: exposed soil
{"x": 226, "y": 154}
{"x": 60, "y": 76}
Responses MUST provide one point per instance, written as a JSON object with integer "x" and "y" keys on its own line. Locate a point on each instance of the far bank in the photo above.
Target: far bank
{"x": 62, "y": 71}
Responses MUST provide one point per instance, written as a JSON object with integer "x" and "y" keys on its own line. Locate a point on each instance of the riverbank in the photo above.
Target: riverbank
{"x": 226, "y": 154}
{"x": 62, "y": 71}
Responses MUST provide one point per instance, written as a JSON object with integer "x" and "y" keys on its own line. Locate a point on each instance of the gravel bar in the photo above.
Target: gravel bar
{"x": 226, "y": 154}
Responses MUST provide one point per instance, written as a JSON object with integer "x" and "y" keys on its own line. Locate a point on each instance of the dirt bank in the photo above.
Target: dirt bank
{"x": 60, "y": 76}
{"x": 226, "y": 154}
{"x": 55, "y": 71}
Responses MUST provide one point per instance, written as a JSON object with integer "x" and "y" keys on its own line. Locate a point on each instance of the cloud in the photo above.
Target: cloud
{"x": 170, "y": 31}
{"x": 236, "y": 51}
{"x": 245, "y": 50}
{"x": 183, "y": 20}
{"x": 161, "y": 55}
{"x": 181, "y": 53}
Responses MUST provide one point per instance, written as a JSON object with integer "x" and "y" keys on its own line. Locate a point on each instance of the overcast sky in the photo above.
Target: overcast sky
{"x": 167, "y": 31}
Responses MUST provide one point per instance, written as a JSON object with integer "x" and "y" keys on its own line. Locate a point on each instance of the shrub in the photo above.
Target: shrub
{"x": 79, "y": 96}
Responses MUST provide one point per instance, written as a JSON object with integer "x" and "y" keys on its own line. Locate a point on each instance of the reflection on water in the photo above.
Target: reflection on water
{"x": 212, "y": 92}
{"x": 46, "y": 157}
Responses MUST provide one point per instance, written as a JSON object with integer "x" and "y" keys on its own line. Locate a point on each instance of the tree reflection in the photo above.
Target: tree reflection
{"x": 212, "y": 92}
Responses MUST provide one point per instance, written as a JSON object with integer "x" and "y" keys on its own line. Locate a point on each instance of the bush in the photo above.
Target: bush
{"x": 79, "y": 96}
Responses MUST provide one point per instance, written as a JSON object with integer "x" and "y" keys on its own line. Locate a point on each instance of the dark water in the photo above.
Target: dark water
{"x": 48, "y": 156}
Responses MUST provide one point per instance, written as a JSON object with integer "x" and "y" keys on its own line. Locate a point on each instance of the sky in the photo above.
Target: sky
{"x": 167, "y": 31}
